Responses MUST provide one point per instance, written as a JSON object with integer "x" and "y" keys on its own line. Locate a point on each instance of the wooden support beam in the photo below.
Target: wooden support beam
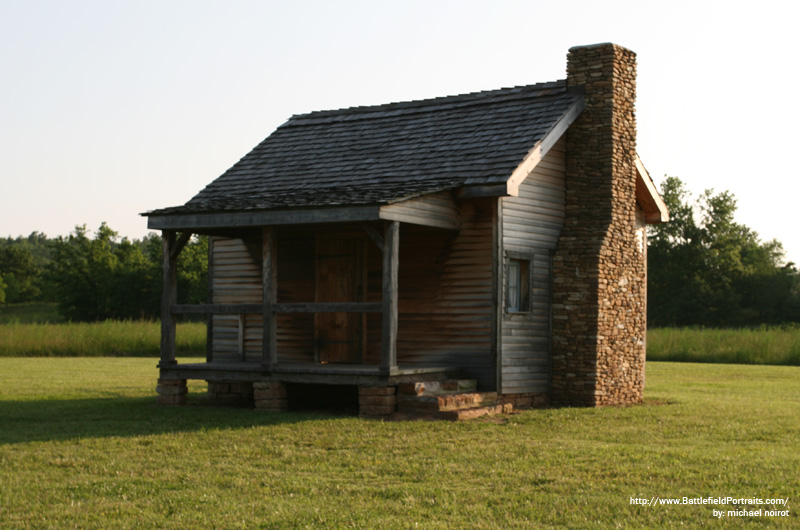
{"x": 180, "y": 243}
{"x": 217, "y": 309}
{"x": 241, "y": 337}
{"x": 210, "y": 300}
{"x": 498, "y": 306}
{"x": 374, "y": 235}
{"x": 257, "y": 309}
{"x": 169, "y": 295}
{"x": 391, "y": 239}
{"x": 269, "y": 280}
{"x": 329, "y": 307}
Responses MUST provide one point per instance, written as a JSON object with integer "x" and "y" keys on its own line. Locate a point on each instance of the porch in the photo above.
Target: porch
{"x": 307, "y": 373}
{"x": 328, "y": 303}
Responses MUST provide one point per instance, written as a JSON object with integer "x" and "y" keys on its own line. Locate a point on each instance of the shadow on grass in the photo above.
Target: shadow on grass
{"x": 56, "y": 420}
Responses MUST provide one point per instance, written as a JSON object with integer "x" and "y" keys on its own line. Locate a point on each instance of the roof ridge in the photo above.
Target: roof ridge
{"x": 469, "y": 98}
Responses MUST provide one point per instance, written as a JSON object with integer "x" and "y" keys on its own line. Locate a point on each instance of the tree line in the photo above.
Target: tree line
{"x": 704, "y": 269}
{"x": 100, "y": 277}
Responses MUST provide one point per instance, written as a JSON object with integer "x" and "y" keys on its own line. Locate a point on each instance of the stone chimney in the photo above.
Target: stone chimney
{"x": 599, "y": 291}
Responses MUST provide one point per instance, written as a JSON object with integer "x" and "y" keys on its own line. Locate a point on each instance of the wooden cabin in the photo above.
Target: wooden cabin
{"x": 497, "y": 236}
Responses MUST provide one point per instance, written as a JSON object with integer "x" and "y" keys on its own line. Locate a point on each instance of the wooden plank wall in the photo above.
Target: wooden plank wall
{"x": 236, "y": 279}
{"x": 532, "y": 223}
{"x": 445, "y": 294}
{"x": 438, "y": 209}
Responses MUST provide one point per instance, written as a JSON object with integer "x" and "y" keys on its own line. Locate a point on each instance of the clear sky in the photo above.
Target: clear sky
{"x": 111, "y": 108}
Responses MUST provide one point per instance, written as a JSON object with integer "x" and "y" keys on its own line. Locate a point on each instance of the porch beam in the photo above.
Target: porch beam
{"x": 180, "y": 243}
{"x": 217, "y": 309}
{"x": 269, "y": 280}
{"x": 391, "y": 247}
{"x": 169, "y": 295}
{"x": 329, "y": 307}
{"x": 374, "y": 235}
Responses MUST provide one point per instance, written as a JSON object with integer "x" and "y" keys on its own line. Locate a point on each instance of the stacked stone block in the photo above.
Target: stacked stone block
{"x": 270, "y": 396}
{"x": 599, "y": 304}
{"x": 524, "y": 401}
{"x": 231, "y": 393}
{"x": 171, "y": 391}
{"x": 376, "y": 401}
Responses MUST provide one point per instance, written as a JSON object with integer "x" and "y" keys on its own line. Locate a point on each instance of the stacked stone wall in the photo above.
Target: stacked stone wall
{"x": 599, "y": 309}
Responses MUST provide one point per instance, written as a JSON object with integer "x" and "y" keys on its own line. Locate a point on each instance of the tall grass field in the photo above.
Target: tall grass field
{"x": 83, "y": 444}
{"x": 764, "y": 345}
{"x": 94, "y": 339}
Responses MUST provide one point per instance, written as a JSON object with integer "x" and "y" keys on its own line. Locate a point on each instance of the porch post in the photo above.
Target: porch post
{"x": 391, "y": 246}
{"x": 169, "y": 296}
{"x": 269, "y": 280}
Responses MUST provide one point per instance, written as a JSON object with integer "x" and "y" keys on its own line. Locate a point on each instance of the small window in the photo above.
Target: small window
{"x": 518, "y": 286}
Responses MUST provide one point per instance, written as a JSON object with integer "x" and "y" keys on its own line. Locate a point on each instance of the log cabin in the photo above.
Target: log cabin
{"x": 496, "y": 239}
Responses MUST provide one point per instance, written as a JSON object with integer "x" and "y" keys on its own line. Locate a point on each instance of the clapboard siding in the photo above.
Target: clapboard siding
{"x": 438, "y": 209}
{"x": 235, "y": 279}
{"x": 445, "y": 295}
{"x": 532, "y": 223}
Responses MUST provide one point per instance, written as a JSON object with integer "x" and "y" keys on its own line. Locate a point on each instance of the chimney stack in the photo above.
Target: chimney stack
{"x": 599, "y": 291}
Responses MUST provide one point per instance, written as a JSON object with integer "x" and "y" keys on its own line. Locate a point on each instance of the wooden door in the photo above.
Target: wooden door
{"x": 340, "y": 278}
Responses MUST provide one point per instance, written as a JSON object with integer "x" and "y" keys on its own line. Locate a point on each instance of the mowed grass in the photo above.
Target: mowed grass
{"x": 764, "y": 345}
{"x": 92, "y": 339}
{"x": 83, "y": 444}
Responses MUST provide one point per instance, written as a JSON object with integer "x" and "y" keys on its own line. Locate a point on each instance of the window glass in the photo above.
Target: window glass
{"x": 514, "y": 270}
{"x": 518, "y": 286}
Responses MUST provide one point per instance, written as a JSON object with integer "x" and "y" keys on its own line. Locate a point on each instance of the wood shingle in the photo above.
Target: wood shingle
{"x": 387, "y": 153}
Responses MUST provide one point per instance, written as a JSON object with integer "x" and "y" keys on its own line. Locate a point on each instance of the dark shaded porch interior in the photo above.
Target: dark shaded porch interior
{"x": 444, "y": 302}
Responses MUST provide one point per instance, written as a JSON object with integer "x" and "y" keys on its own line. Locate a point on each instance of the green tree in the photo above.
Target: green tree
{"x": 107, "y": 277}
{"x": 704, "y": 268}
{"x": 101, "y": 278}
{"x": 20, "y": 274}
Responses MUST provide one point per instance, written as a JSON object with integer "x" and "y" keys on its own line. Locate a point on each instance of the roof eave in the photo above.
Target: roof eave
{"x": 238, "y": 219}
{"x": 510, "y": 188}
{"x": 655, "y": 210}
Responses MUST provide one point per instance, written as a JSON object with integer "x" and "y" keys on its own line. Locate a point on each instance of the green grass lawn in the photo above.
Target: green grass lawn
{"x": 84, "y": 445}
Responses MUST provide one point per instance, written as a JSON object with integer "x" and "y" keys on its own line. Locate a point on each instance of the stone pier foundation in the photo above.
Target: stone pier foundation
{"x": 377, "y": 401}
{"x": 236, "y": 394}
{"x": 270, "y": 396}
{"x": 171, "y": 392}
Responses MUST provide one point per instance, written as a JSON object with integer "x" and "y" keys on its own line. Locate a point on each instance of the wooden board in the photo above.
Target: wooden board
{"x": 339, "y": 278}
{"x": 532, "y": 224}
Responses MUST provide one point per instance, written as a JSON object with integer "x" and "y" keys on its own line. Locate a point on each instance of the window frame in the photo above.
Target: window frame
{"x": 525, "y": 288}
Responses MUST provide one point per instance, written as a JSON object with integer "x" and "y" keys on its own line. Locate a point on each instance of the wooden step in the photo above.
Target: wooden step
{"x": 475, "y": 412}
{"x": 446, "y": 402}
{"x": 432, "y": 388}
{"x": 451, "y": 399}
{"x": 453, "y": 415}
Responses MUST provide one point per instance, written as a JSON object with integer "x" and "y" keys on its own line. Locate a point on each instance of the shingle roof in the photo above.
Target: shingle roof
{"x": 385, "y": 153}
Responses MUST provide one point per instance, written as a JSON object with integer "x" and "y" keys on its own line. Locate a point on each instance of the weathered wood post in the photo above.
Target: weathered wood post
{"x": 269, "y": 279}
{"x": 391, "y": 247}
{"x": 169, "y": 296}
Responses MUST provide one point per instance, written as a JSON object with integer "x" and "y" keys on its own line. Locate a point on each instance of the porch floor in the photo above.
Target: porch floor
{"x": 342, "y": 374}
